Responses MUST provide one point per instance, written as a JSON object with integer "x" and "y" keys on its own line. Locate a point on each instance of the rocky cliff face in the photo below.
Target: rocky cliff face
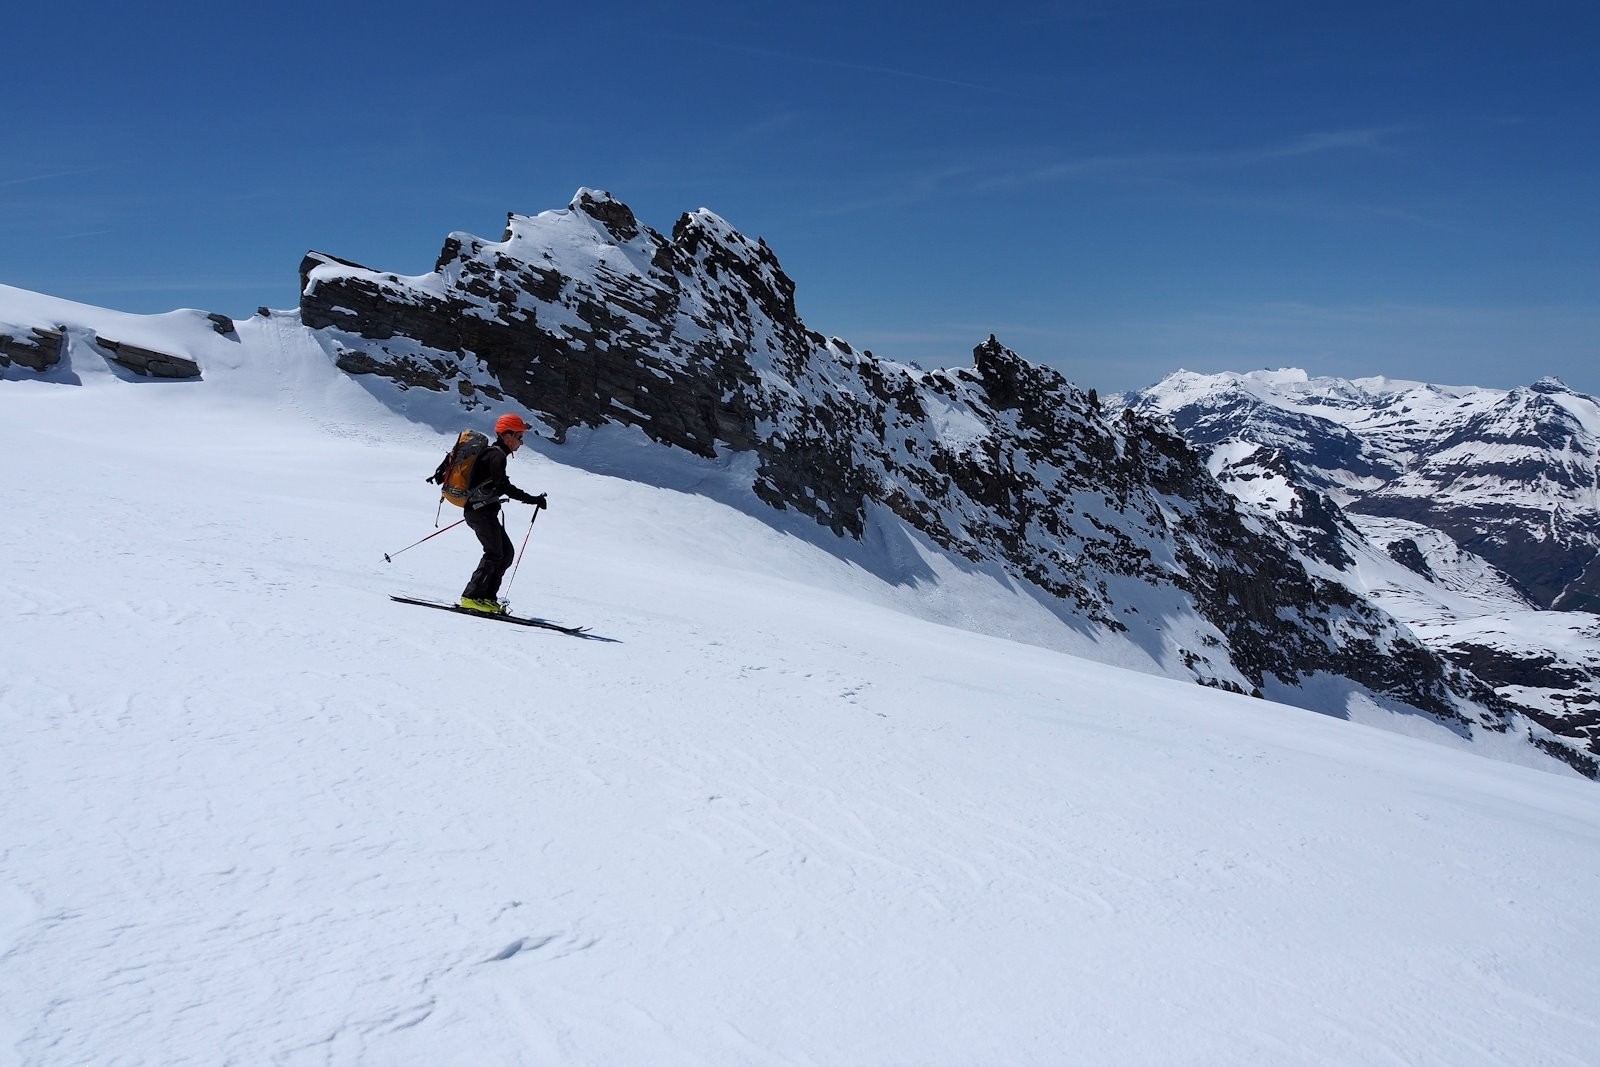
{"x": 585, "y": 317}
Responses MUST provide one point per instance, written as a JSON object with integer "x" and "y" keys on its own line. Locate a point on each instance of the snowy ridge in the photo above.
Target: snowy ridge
{"x": 1349, "y": 436}
{"x": 591, "y": 320}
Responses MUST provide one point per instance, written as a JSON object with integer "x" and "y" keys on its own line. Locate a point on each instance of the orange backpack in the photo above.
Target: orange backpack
{"x": 455, "y": 471}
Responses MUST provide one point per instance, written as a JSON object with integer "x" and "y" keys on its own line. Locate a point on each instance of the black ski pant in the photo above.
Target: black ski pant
{"x": 498, "y": 552}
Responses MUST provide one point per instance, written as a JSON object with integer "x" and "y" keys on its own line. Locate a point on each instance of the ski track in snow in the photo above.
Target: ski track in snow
{"x": 253, "y": 812}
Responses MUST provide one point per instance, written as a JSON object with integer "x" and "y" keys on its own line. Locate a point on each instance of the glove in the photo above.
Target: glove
{"x": 539, "y": 501}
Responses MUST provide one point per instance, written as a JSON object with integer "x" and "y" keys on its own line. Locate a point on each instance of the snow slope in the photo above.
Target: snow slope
{"x": 779, "y": 810}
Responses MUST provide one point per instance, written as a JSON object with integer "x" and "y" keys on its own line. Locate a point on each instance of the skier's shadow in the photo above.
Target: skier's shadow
{"x": 585, "y": 635}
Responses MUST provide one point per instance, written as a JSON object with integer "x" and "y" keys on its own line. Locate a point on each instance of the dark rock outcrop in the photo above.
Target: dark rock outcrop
{"x": 39, "y": 350}
{"x": 147, "y": 361}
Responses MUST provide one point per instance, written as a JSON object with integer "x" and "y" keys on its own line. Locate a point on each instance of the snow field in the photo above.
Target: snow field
{"x": 777, "y": 813}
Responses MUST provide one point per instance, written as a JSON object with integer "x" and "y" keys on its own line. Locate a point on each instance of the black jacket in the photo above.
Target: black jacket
{"x": 489, "y": 481}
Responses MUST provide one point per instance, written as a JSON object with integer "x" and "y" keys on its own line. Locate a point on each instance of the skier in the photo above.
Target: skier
{"x": 487, "y": 486}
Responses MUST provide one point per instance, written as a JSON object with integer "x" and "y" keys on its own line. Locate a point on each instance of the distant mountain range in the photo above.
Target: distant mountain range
{"x": 1489, "y": 499}
{"x": 1510, "y": 476}
{"x": 1265, "y": 534}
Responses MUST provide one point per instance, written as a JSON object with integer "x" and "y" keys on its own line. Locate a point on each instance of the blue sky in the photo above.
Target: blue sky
{"x": 1117, "y": 189}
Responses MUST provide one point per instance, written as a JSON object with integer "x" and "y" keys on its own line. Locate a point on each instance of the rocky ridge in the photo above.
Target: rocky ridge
{"x": 585, "y": 317}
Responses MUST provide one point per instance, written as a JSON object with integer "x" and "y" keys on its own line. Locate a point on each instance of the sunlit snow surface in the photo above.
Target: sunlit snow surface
{"x": 782, "y": 811}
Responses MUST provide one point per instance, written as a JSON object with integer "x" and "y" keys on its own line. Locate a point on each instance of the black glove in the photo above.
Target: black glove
{"x": 539, "y": 501}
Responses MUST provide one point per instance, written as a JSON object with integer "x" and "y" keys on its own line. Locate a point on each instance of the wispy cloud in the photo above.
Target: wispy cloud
{"x": 838, "y": 64}
{"x": 1312, "y": 203}
{"x": 26, "y": 179}
{"x": 1167, "y": 168}
{"x": 909, "y": 188}
{"x": 1158, "y": 164}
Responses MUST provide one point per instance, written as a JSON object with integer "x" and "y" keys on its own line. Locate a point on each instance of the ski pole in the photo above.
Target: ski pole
{"x": 523, "y": 550}
{"x": 390, "y": 559}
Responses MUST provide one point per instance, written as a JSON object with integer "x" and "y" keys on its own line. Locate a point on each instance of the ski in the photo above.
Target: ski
{"x": 517, "y": 620}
